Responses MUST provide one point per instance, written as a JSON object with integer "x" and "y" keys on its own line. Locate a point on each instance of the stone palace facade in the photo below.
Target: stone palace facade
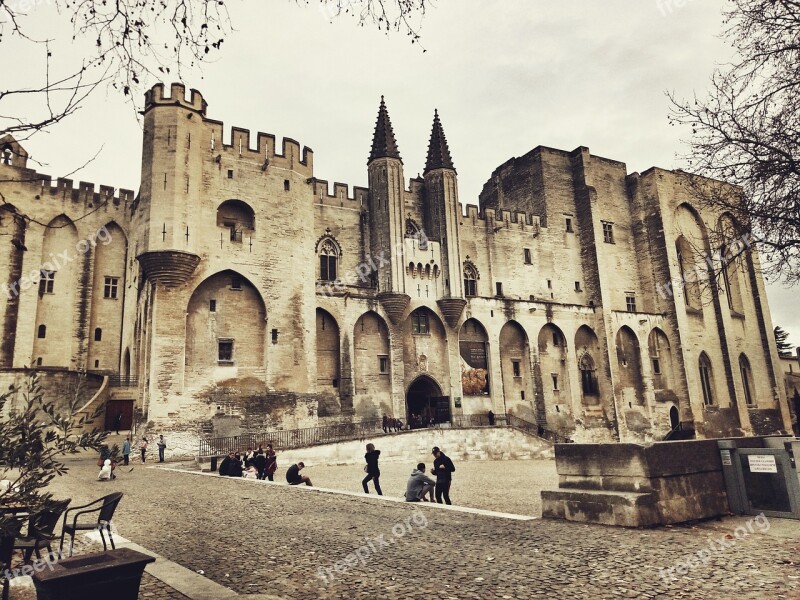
{"x": 236, "y": 291}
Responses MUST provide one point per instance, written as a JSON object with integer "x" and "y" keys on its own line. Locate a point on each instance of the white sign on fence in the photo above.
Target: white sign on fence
{"x": 764, "y": 463}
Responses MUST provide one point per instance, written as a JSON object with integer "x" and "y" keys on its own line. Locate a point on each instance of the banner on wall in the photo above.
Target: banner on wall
{"x": 474, "y": 366}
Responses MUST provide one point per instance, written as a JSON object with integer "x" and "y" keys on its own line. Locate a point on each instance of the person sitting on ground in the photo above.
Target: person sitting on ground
{"x": 226, "y": 463}
{"x": 251, "y": 472}
{"x": 293, "y": 476}
{"x": 105, "y": 471}
{"x": 419, "y": 485}
{"x": 235, "y": 468}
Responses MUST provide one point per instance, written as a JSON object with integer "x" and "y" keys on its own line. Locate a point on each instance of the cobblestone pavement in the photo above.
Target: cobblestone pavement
{"x": 504, "y": 486}
{"x": 268, "y": 538}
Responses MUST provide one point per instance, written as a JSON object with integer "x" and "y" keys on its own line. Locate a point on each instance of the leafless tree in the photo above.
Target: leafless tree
{"x": 746, "y": 131}
{"x": 135, "y": 43}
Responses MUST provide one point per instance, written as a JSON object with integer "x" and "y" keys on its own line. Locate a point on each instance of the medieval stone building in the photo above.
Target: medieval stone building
{"x": 236, "y": 291}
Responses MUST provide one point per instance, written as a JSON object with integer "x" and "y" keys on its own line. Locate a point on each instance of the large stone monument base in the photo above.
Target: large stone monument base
{"x": 631, "y": 485}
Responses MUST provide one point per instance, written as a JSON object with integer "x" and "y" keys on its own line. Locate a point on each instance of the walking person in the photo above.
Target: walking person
{"x": 143, "y": 448}
{"x": 272, "y": 463}
{"x": 162, "y": 445}
{"x": 260, "y": 463}
{"x": 372, "y": 470}
{"x": 118, "y": 422}
{"x": 443, "y": 468}
{"x": 126, "y": 450}
{"x": 385, "y": 424}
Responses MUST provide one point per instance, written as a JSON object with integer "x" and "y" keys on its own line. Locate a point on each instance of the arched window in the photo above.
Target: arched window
{"x": 5, "y": 155}
{"x": 588, "y": 375}
{"x": 706, "y": 379}
{"x": 328, "y": 258}
{"x": 98, "y": 335}
{"x": 42, "y": 333}
{"x": 747, "y": 379}
{"x": 470, "y": 280}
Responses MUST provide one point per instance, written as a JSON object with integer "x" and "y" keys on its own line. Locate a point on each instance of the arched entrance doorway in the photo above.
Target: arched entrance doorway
{"x": 424, "y": 400}
{"x": 674, "y": 418}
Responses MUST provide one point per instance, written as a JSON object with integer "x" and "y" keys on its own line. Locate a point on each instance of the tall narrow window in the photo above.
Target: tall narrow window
{"x": 470, "y": 281}
{"x": 527, "y": 256}
{"x": 46, "y": 282}
{"x": 499, "y": 286}
{"x": 706, "y": 383}
{"x": 569, "y": 224}
{"x": 98, "y": 335}
{"x": 383, "y": 365}
{"x": 747, "y": 379}
{"x": 516, "y": 368}
{"x": 588, "y": 377}
{"x": 110, "y": 287}
{"x": 608, "y": 232}
{"x": 328, "y": 255}
{"x": 555, "y": 381}
{"x": 42, "y": 332}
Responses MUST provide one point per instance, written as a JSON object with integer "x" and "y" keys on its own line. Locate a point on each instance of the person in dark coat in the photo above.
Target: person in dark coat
{"x": 260, "y": 463}
{"x": 293, "y": 476}
{"x": 225, "y": 464}
{"x": 385, "y": 424}
{"x": 235, "y": 467}
{"x": 372, "y": 470}
{"x": 443, "y": 468}
{"x": 272, "y": 462}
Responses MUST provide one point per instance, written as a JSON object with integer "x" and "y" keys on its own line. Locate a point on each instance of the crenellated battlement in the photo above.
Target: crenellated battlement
{"x": 64, "y": 189}
{"x": 291, "y": 156}
{"x": 503, "y": 218}
{"x": 340, "y": 196}
{"x": 177, "y": 96}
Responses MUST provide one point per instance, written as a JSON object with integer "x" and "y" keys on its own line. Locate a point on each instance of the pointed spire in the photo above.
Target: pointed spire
{"x": 383, "y": 142}
{"x": 438, "y": 152}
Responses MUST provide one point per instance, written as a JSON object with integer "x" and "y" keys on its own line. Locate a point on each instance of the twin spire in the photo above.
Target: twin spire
{"x": 384, "y": 144}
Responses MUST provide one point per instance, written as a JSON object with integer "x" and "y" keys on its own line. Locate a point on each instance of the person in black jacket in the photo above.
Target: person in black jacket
{"x": 235, "y": 466}
{"x": 443, "y": 468}
{"x": 260, "y": 462}
{"x": 226, "y": 462}
{"x": 372, "y": 470}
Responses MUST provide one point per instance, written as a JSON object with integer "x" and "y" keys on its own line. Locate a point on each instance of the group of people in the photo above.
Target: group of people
{"x": 144, "y": 444}
{"x": 415, "y": 421}
{"x": 420, "y": 487}
{"x": 260, "y": 464}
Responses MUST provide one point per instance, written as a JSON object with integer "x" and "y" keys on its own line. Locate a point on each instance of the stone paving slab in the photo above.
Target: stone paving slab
{"x": 281, "y": 541}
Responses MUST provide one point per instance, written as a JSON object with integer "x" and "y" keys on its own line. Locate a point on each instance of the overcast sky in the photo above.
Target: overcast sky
{"x": 506, "y": 76}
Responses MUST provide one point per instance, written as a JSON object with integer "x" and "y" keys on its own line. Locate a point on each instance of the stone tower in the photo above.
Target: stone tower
{"x": 442, "y": 212}
{"x": 386, "y": 223}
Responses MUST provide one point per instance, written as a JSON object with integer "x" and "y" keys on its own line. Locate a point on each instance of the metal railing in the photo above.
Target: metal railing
{"x": 288, "y": 439}
{"x": 122, "y": 381}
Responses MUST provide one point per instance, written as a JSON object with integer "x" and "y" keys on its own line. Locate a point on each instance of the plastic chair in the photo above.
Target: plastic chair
{"x": 40, "y": 531}
{"x": 104, "y": 507}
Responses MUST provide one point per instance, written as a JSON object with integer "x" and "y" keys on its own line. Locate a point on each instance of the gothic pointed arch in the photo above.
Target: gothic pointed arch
{"x": 329, "y": 253}
{"x": 515, "y": 366}
{"x": 471, "y": 277}
{"x": 372, "y": 365}
{"x": 629, "y": 365}
{"x": 225, "y": 330}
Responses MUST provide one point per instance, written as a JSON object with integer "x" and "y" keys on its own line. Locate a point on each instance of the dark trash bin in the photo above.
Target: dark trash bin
{"x": 113, "y": 574}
